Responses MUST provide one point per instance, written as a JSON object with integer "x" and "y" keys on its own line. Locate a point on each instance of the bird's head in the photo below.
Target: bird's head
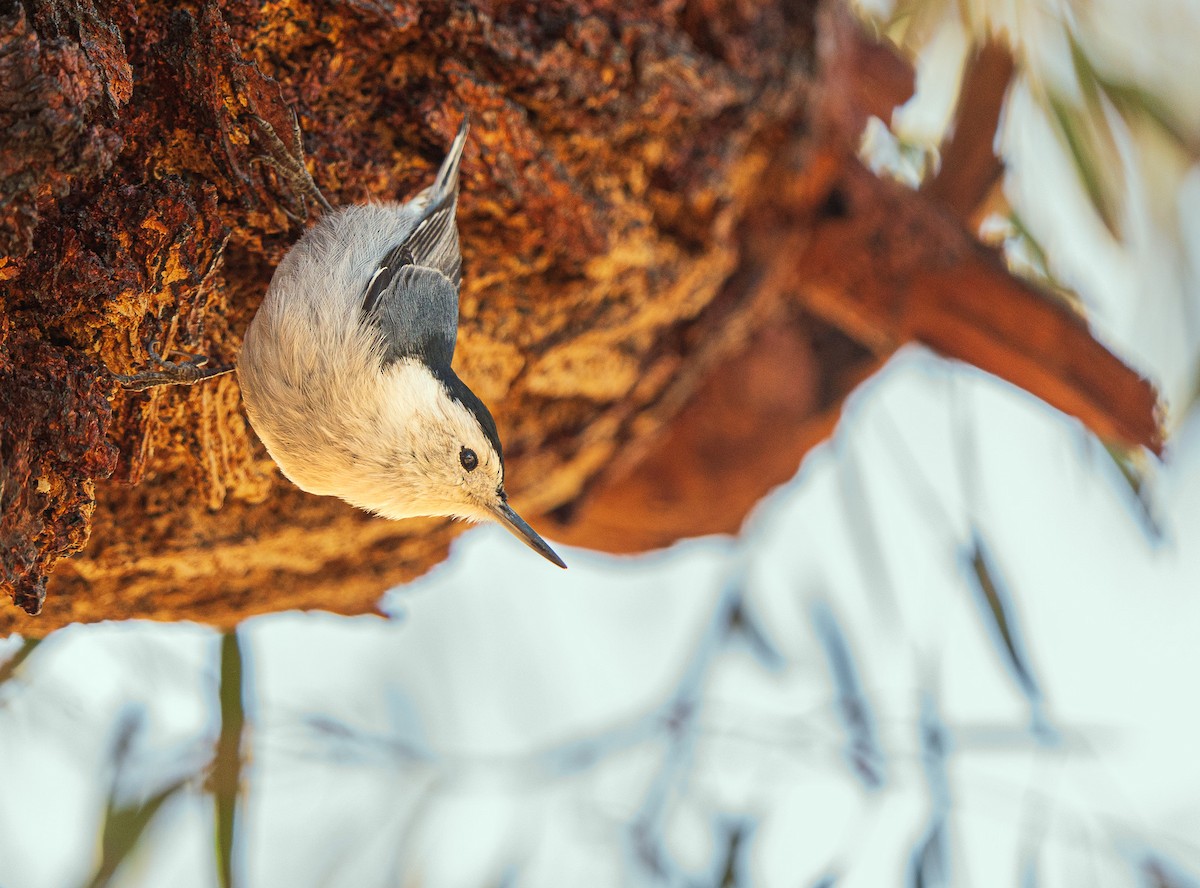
{"x": 455, "y": 463}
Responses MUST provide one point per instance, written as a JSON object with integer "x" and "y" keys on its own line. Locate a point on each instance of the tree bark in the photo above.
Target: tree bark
{"x": 674, "y": 270}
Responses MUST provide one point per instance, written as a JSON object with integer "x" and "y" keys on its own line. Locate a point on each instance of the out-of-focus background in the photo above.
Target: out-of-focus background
{"x": 957, "y": 648}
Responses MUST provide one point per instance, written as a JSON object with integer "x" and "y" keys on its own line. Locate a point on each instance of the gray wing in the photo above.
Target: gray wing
{"x": 433, "y": 241}
{"x": 413, "y": 295}
{"x": 434, "y": 238}
{"x": 417, "y": 313}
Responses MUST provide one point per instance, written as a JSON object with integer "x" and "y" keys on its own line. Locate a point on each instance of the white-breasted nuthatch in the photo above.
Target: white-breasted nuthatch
{"x": 345, "y": 369}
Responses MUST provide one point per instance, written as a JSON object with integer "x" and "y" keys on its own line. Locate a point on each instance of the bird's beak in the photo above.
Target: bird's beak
{"x": 515, "y": 523}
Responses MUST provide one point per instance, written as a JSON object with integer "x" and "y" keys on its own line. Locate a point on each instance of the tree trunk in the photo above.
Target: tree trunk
{"x": 674, "y": 271}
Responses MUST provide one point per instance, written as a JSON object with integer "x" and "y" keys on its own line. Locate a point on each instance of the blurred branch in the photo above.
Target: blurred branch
{"x": 862, "y": 750}
{"x": 1134, "y": 484}
{"x": 860, "y": 77}
{"x": 970, "y": 167}
{"x": 226, "y": 776}
{"x": 864, "y": 534}
{"x": 999, "y": 608}
{"x": 126, "y": 823}
{"x": 1088, "y": 134}
{"x": 124, "y": 826}
{"x": 10, "y": 667}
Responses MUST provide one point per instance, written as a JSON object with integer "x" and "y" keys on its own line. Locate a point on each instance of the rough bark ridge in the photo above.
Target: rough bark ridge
{"x": 644, "y": 188}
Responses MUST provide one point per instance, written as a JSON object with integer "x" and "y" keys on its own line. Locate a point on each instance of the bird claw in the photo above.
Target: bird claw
{"x": 188, "y": 371}
{"x": 180, "y": 373}
{"x": 288, "y": 164}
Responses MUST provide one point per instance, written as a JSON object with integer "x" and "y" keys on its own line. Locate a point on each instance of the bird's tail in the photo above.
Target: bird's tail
{"x": 447, "y": 177}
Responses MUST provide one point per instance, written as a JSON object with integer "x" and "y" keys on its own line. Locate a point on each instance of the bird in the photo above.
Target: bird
{"x": 346, "y": 368}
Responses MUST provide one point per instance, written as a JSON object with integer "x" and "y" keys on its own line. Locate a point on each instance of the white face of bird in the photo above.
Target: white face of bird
{"x": 451, "y": 466}
{"x": 459, "y": 462}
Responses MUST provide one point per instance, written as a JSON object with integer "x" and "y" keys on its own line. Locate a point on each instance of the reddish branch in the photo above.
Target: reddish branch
{"x": 869, "y": 266}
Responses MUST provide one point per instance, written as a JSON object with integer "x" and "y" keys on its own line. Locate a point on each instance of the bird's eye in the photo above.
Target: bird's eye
{"x": 469, "y": 460}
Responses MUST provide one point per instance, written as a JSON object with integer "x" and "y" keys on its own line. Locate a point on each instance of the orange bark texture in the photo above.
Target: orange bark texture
{"x": 675, "y": 269}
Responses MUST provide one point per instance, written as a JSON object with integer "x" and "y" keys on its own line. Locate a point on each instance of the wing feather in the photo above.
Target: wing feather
{"x": 413, "y": 294}
{"x": 417, "y": 313}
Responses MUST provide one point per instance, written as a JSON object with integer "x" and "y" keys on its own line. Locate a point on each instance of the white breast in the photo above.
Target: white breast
{"x": 309, "y": 368}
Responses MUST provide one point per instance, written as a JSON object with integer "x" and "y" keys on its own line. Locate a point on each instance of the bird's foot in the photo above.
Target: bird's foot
{"x": 288, "y": 163}
{"x": 190, "y": 370}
